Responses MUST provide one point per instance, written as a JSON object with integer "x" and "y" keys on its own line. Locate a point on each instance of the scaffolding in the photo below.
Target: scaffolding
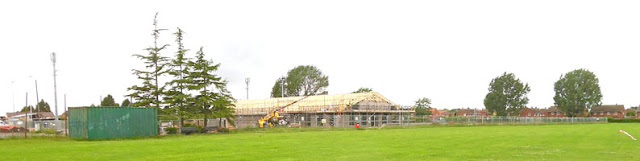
{"x": 367, "y": 109}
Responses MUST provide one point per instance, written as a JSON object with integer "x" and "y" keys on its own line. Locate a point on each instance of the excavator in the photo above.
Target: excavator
{"x": 272, "y": 118}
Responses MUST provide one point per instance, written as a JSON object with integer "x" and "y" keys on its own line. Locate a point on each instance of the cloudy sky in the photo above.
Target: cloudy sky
{"x": 444, "y": 50}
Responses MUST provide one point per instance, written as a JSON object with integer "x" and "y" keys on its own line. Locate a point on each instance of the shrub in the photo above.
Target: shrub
{"x": 189, "y": 125}
{"x": 49, "y": 131}
{"x": 200, "y": 129}
{"x": 223, "y": 130}
{"x": 172, "y": 130}
{"x": 615, "y": 120}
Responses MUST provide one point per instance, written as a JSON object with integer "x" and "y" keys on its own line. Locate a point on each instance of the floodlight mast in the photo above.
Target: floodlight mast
{"x": 55, "y": 87}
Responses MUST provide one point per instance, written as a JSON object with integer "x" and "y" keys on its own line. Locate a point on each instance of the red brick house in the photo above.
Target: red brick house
{"x": 472, "y": 113}
{"x": 533, "y": 112}
{"x": 615, "y": 111}
{"x": 553, "y": 111}
{"x": 439, "y": 113}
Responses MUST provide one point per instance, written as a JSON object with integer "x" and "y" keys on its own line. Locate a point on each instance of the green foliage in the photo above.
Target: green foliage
{"x": 224, "y": 130}
{"x": 45, "y": 131}
{"x": 631, "y": 113}
{"x": 43, "y": 106}
{"x": 576, "y": 92}
{"x": 624, "y": 120}
{"x": 177, "y": 97}
{"x": 303, "y": 80}
{"x": 200, "y": 129}
{"x": 27, "y": 108}
{"x": 125, "y": 103}
{"x": 276, "y": 90}
{"x": 507, "y": 95}
{"x": 108, "y": 102}
{"x": 149, "y": 92}
{"x": 207, "y": 102}
{"x": 363, "y": 90}
{"x": 423, "y": 106}
{"x": 171, "y": 130}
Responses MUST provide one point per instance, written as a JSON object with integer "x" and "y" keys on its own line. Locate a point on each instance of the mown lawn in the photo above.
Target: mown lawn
{"x": 523, "y": 142}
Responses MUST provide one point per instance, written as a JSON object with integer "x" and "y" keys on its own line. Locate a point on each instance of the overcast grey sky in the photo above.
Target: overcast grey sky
{"x": 444, "y": 50}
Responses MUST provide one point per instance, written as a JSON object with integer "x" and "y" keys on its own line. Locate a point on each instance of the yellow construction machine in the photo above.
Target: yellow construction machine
{"x": 272, "y": 118}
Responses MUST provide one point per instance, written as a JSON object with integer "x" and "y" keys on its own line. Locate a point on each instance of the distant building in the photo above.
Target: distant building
{"x": 472, "y": 113}
{"x": 32, "y": 115}
{"x": 615, "y": 111}
{"x": 439, "y": 113}
{"x": 341, "y": 110}
{"x": 533, "y": 112}
{"x": 553, "y": 111}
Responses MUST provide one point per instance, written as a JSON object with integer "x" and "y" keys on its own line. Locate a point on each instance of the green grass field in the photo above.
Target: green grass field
{"x": 523, "y": 142}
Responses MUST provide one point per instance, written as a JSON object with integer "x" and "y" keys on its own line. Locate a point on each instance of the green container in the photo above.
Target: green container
{"x": 112, "y": 122}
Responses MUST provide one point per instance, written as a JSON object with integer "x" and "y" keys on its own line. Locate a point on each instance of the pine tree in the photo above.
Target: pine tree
{"x": 177, "y": 96}
{"x": 202, "y": 76}
{"x": 150, "y": 91}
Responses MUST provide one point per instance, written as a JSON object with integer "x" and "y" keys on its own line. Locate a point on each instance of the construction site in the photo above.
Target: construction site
{"x": 343, "y": 110}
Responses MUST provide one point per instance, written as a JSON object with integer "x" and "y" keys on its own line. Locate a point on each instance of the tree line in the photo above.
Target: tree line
{"x": 576, "y": 92}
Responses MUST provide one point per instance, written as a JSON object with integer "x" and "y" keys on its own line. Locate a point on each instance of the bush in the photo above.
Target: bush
{"x": 615, "y": 120}
{"x": 171, "y": 130}
{"x": 224, "y": 130}
{"x": 200, "y": 129}
{"x": 46, "y": 131}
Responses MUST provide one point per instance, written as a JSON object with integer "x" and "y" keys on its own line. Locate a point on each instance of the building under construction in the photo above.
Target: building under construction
{"x": 343, "y": 110}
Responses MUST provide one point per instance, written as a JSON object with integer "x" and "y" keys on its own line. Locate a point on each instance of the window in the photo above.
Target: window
{"x": 529, "y": 114}
{"x": 601, "y": 113}
{"x": 615, "y": 113}
{"x": 608, "y": 113}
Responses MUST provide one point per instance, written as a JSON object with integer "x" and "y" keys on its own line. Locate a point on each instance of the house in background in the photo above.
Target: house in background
{"x": 472, "y": 113}
{"x": 553, "y": 111}
{"x": 533, "y": 112}
{"x": 439, "y": 113}
{"x": 615, "y": 111}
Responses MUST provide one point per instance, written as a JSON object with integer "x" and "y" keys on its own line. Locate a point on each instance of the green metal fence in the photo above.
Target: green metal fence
{"x": 112, "y": 122}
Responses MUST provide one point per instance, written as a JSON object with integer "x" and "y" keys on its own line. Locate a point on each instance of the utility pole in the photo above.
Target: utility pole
{"x": 66, "y": 125}
{"x": 36, "y": 106}
{"x": 55, "y": 88}
{"x": 246, "y": 80}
